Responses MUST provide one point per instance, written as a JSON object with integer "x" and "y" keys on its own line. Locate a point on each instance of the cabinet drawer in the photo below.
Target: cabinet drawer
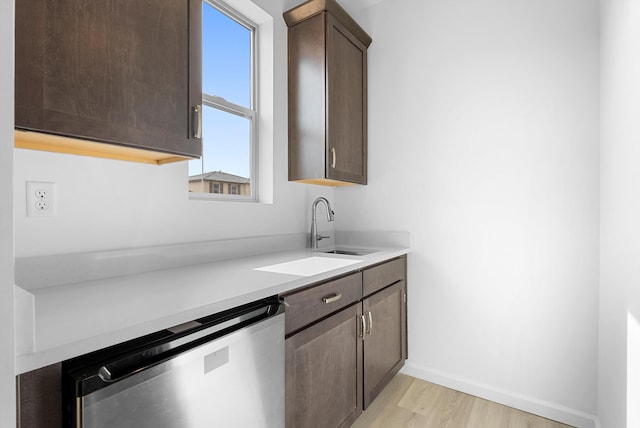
{"x": 382, "y": 275}
{"x": 309, "y": 305}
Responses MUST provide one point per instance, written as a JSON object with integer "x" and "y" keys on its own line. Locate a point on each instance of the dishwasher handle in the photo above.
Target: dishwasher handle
{"x": 141, "y": 358}
{"x": 127, "y": 366}
{"x": 105, "y": 375}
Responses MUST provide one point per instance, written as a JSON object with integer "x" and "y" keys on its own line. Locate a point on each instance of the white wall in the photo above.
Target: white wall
{"x": 7, "y": 384}
{"x": 619, "y": 380}
{"x": 483, "y": 142}
{"x": 105, "y": 204}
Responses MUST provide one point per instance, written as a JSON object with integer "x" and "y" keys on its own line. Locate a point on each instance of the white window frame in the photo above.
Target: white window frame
{"x": 250, "y": 113}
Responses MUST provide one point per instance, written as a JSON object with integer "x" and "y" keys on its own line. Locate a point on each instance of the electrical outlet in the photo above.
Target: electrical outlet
{"x": 40, "y": 199}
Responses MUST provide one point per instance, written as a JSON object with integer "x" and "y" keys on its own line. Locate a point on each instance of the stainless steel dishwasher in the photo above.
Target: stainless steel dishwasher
{"x": 224, "y": 370}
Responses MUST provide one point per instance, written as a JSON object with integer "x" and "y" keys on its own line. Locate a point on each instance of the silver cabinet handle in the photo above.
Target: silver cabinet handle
{"x": 364, "y": 326}
{"x": 334, "y": 157}
{"x": 370, "y": 327}
{"x": 332, "y": 299}
{"x": 196, "y": 122}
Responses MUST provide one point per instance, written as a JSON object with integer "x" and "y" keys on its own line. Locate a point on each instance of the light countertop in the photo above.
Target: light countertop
{"x": 71, "y": 314}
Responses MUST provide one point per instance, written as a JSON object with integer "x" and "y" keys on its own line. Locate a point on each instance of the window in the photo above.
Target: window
{"x": 229, "y": 115}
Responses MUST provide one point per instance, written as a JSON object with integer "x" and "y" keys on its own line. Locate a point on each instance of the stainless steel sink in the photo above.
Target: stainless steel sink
{"x": 350, "y": 251}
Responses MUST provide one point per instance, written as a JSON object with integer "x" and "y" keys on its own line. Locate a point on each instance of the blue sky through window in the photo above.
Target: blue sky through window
{"x": 226, "y": 57}
{"x": 226, "y": 73}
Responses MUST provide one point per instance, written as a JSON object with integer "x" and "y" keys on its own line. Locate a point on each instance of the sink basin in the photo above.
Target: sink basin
{"x": 309, "y": 266}
{"x": 349, "y": 252}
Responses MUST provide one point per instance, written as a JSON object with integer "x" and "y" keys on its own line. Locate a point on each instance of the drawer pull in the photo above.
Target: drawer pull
{"x": 332, "y": 299}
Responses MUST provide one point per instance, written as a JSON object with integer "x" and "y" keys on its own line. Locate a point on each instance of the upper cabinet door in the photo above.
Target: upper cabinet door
{"x": 120, "y": 72}
{"x": 327, "y": 95}
{"x": 346, "y": 79}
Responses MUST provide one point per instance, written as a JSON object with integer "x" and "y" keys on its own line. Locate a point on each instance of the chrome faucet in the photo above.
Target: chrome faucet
{"x": 315, "y": 236}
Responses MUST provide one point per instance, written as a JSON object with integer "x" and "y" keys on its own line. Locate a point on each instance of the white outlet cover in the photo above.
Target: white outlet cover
{"x": 40, "y": 199}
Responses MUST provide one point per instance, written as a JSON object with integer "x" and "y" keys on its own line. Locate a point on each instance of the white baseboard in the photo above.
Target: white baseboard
{"x": 538, "y": 407}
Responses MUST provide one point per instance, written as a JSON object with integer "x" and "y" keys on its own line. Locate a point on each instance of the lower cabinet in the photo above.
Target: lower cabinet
{"x": 324, "y": 372}
{"x": 337, "y": 363}
{"x": 385, "y": 344}
{"x": 39, "y": 394}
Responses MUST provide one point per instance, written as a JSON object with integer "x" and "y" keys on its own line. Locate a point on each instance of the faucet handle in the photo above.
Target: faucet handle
{"x": 321, "y": 237}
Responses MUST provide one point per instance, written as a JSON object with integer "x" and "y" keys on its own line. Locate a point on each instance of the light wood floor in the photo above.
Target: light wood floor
{"x": 413, "y": 403}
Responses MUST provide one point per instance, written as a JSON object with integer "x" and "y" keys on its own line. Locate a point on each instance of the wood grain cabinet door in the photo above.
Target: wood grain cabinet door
{"x": 385, "y": 338}
{"x": 119, "y": 72}
{"x": 347, "y": 105}
{"x": 324, "y": 372}
{"x": 327, "y": 95}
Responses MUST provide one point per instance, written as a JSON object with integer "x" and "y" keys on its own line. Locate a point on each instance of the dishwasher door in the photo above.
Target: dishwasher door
{"x": 236, "y": 380}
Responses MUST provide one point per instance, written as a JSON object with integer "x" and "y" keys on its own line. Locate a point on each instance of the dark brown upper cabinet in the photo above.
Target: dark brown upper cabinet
{"x": 124, "y": 73}
{"x": 327, "y": 95}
